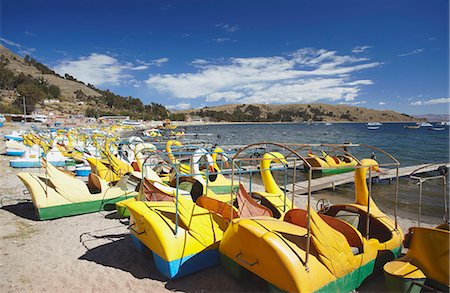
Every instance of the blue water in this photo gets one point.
(408, 146)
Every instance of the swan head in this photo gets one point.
(370, 163)
(198, 154)
(173, 142)
(218, 150)
(275, 157)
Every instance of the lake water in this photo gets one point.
(408, 146)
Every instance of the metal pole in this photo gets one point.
(293, 183)
(232, 187)
(420, 201)
(369, 195)
(24, 109)
(444, 181)
(176, 205)
(285, 185)
(396, 197)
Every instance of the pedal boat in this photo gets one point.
(331, 164)
(338, 257)
(57, 194)
(15, 135)
(184, 235)
(32, 158)
(15, 148)
(426, 264)
(425, 267)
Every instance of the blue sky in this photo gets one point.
(183, 54)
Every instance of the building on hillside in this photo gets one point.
(112, 119)
(196, 119)
(51, 101)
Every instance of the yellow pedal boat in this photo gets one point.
(58, 194)
(338, 257)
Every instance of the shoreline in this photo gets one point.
(183, 124)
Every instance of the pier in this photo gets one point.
(339, 179)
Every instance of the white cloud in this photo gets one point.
(431, 102)
(360, 49)
(26, 51)
(22, 49)
(222, 40)
(30, 34)
(11, 43)
(180, 106)
(413, 52)
(353, 103)
(158, 62)
(382, 103)
(229, 28)
(304, 76)
(98, 69)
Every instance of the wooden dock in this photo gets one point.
(335, 180)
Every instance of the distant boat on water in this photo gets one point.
(131, 123)
(416, 126)
(425, 124)
(437, 127)
(373, 125)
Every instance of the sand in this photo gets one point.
(91, 252)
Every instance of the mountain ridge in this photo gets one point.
(296, 113)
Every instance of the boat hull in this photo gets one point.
(344, 284)
(11, 137)
(54, 212)
(183, 266)
(33, 164)
(192, 249)
(83, 172)
(14, 153)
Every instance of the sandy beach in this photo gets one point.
(93, 252)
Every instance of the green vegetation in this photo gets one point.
(34, 90)
(251, 113)
(127, 106)
(44, 69)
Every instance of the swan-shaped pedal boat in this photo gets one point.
(58, 194)
(184, 236)
(331, 164)
(425, 263)
(340, 255)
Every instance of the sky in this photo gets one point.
(188, 54)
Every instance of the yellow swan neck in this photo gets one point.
(169, 145)
(269, 183)
(361, 190)
(214, 155)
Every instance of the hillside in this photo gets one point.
(435, 117)
(46, 92)
(296, 112)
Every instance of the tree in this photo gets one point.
(32, 93)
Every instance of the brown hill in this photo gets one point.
(45, 91)
(296, 112)
(68, 87)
